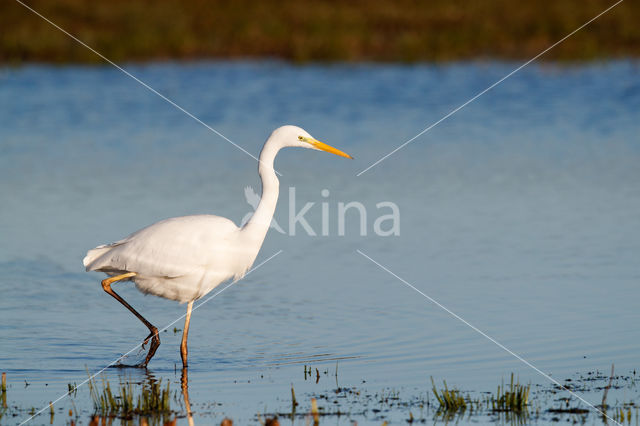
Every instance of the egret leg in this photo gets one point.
(155, 339)
(185, 334)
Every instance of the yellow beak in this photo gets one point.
(327, 148)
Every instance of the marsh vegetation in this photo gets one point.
(318, 30)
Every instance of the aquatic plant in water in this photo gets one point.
(449, 399)
(514, 399)
(153, 399)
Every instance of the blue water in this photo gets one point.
(520, 214)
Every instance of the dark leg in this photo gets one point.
(185, 334)
(155, 339)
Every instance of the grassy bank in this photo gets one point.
(317, 30)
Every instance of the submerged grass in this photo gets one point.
(516, 398)
(149, 403)
(152, 399)
(449, 399)
(513, 398)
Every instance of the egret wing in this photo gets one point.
(170, 248)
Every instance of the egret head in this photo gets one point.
(294, 136)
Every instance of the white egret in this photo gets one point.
(184, 258)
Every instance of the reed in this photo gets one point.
(606, 390)
(152, 399)
(315, 413)
(449, 399)
(294, 402)
(515, 399)
(155, 399)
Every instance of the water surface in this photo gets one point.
(521, 214)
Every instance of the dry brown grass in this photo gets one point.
(317, 30)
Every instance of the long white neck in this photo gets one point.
(255, 230)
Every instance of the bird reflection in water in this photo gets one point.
(184, 381)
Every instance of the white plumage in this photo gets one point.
(253, 200)
(181, 258)
(184, 258)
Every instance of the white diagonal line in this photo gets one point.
(159, 331)
(425, 130)
(500, 345)
(142, 83)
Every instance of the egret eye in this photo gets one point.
(300, 138)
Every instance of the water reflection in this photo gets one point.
(520, 214)
(141, 400)
(511, 418)
(184, 381)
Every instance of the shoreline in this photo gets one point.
(318, 31)
(279, 62)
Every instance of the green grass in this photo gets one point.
(317, 30)
(512, 398)
(515, 399)
(151, 399)
(449, 399)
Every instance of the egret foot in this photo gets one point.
(154, 332)
(155, 343)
